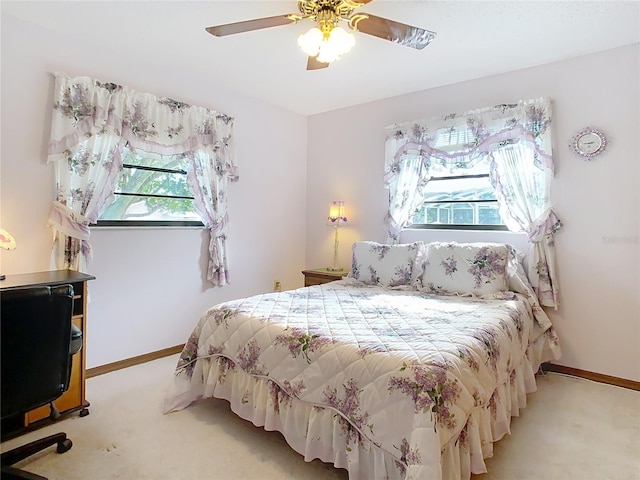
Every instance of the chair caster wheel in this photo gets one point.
(84, 412)
(64, 445)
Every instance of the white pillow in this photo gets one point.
(466, 268)
(385, 265)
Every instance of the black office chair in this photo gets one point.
(38, 342)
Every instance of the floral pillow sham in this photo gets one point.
(465, 268)
(384, 265)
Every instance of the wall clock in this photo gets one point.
(589, 142)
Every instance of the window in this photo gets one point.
(460, 198)
(91, 124)
(151, 190)
(458, 195)
(436, 170)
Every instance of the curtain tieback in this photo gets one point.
(217, 227)
(215, 230)
(68, 222)
(546, 224)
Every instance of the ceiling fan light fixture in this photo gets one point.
(326, 42)
(327, 48)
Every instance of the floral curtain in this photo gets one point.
(405, 181)
(210, 189)
(93, 122)
(517, 140)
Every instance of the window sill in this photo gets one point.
(147, 227)
(464, 228)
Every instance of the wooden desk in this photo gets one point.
(74, 398)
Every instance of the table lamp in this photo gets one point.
(336, 217)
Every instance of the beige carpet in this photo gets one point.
(572, 429)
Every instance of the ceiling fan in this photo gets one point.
(326, 42)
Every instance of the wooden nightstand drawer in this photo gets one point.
(319, 276)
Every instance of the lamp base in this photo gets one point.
(335, 269)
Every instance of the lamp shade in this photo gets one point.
(338, 43)
(7, 242)
(310, 42)
(336, 213)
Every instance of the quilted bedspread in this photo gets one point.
(402, 369)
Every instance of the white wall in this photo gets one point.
(149, 289)
(598, 201)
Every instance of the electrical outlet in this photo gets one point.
(277, 287)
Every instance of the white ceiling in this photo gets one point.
(475, 39)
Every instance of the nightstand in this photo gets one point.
(317, 276)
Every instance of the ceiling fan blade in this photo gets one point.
(314, 64)
(249, 25)
(391, 30)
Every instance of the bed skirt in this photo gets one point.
(316, 432)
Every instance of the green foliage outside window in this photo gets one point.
(156, 191)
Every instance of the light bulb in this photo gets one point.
(342, 40)
(328, 52)
(338, 43)
(310, 42)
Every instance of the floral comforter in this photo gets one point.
(402, 369)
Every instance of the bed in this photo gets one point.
(409, 368)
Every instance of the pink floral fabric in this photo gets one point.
(93, 122)
(385, 265)
(518, 140)
(401, 371)
(465, 268)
